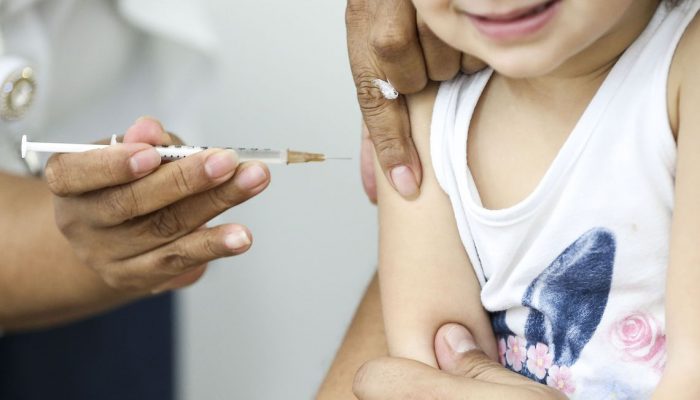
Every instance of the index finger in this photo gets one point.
(70, 174)
(397, 379)
(387, 120)
(394, 42)
(390, 378)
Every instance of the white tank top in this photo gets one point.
(574, 274)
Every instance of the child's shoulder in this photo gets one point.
(420, 108)
(688, 46)
(683, 74)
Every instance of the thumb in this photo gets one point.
(452, 343)
(457, 353)
(149, 130)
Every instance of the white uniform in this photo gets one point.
(575, 273)
(98, 65)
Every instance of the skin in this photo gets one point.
(90, 281)
(387, 40)
(365, 340)
(423, 267)
(362, 366)
(572, 80)
(128, 228)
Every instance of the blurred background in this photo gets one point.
(266, 324)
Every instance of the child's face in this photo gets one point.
(528, 38)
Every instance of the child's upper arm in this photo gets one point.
(425, 276)
(682, 296)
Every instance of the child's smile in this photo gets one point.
(514, 24)
(536, 38)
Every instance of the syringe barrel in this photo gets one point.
(167, 153)
(170, 153)
(267, 156)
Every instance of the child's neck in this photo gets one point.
(583, 74)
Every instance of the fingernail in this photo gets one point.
(221, 163)
(250, 178)
(459, 340)
(237, 240)
(144, 161)
(404, 181)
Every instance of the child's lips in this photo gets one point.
(516, 23)
(513, 14)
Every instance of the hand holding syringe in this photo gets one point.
(140, 224)
(171, 153)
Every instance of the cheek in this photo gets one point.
(447, 24)
(604, 9)
(426, 5)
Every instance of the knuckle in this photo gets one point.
(388, 146)
(65, 222)
(176, 262)
(120, 281)
(439, 72)
(391, 43)
(478, 365)
(470, 65)
(180, 179)
(166, 223)
(119, 204)
(55, 178)
(209, 246)
(221, 198)
(111, 168)
(89, 257)
(111, 280)
(372, 103)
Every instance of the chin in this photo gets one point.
(528, 65)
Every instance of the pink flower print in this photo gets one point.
(639, 338)
(502, 351)
(539, 359)
(515, 354)
(560, 378)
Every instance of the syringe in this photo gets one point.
(170, 153)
